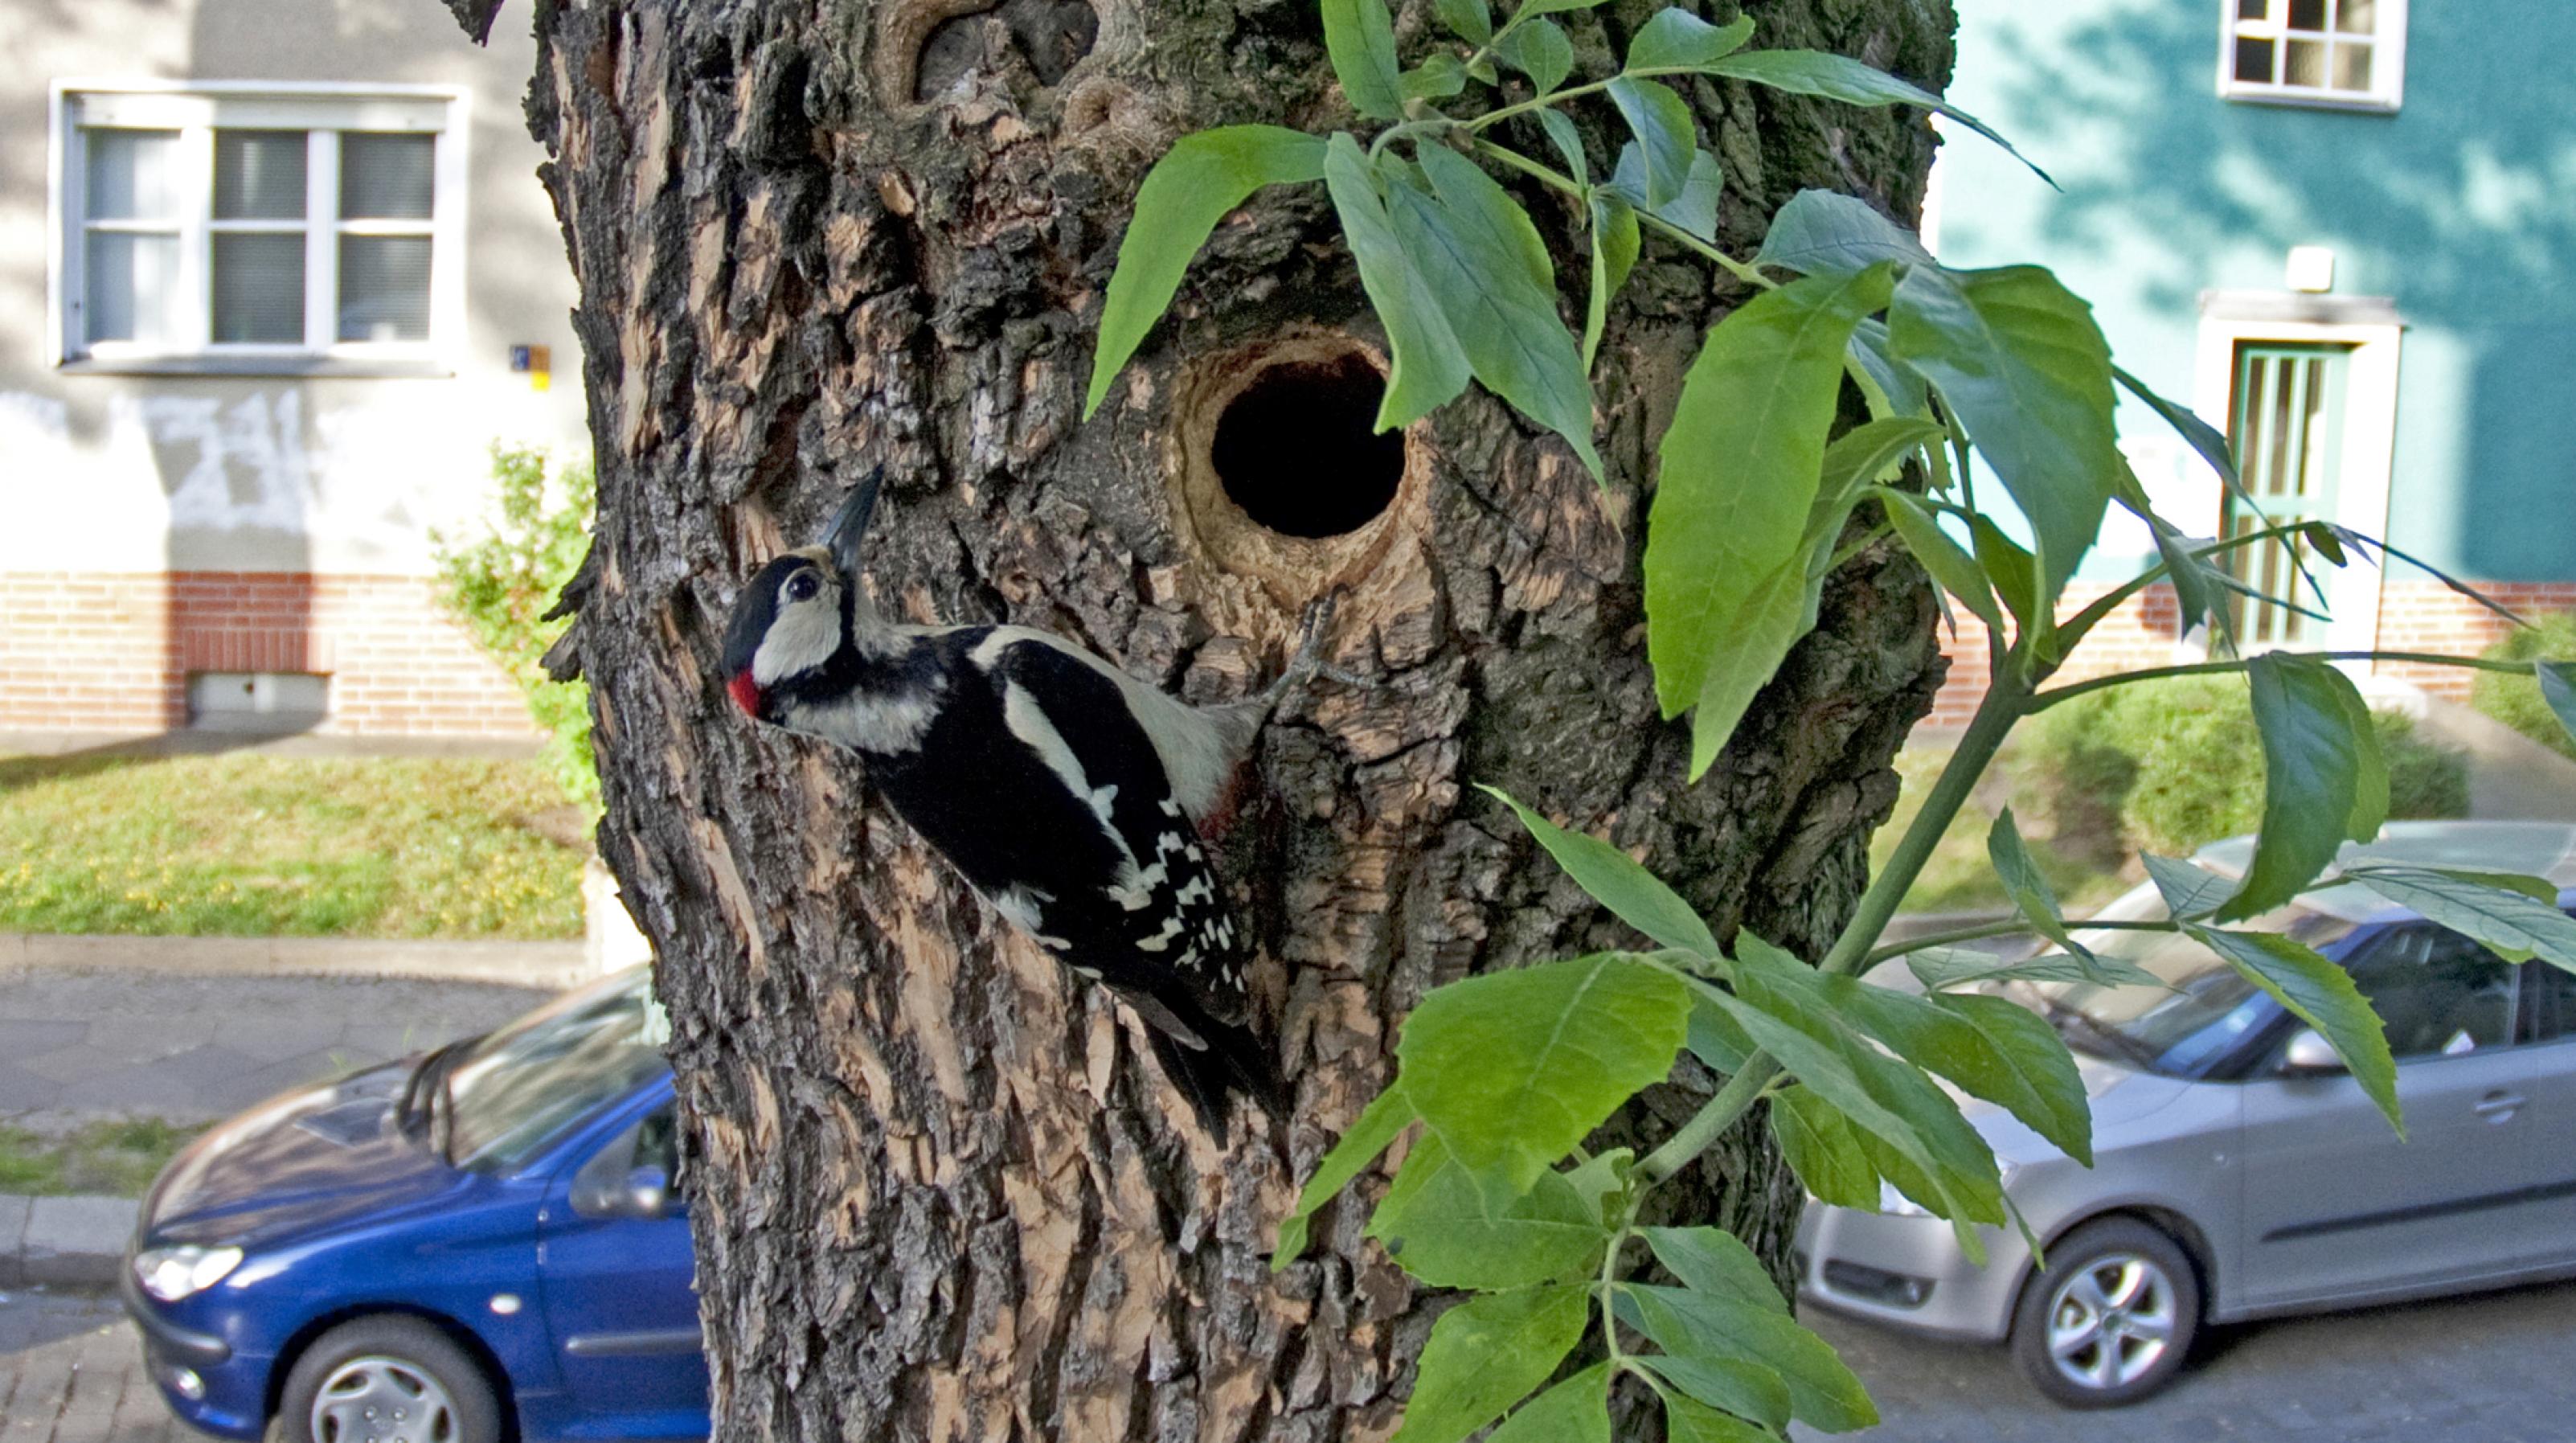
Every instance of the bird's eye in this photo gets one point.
(802, 586)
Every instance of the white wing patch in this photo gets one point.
(1193, 751)
(1022, 908)
(1028, 721)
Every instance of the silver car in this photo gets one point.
(2238, 1172)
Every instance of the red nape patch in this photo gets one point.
(746, 694)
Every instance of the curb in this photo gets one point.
(69, 1242)
(514, 964)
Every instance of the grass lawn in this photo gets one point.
(242, 845)
(1959, 879)
(117, 1159)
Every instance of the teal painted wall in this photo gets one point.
(2461, 208)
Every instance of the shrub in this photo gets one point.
(2515, 700)
(501, 584)
(2179, 764)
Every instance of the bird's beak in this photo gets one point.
(851, 523)
(746, 694)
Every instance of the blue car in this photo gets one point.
(480, 1243)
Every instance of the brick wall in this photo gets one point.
(113, 651)
(2414, 615)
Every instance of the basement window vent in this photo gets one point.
(257, 701)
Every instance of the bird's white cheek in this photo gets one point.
(804, 637)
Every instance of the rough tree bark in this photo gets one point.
(940, 1192)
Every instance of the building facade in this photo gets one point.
(2343, 233)
(274, 277)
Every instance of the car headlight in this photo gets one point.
(170, 1274)
(1897, 1205)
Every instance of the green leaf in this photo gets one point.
(1873, 354)
(1871, 452)
(1837, 77)
(1619, 882)
(1469, 20)
(2324, 781)
(1387, 1114)
(2320, 994)
(1713, 1261)
(1489, 272)
(1204, 175)
(1437, 78)
(1359, 35)
(1939, 968)
(2196, 583)
(1574, 1411)
(2188, 889)
(1539, 50)
(1425, 366)
(2018, 358)
(2558, 688)
(2012, 570)
(1693, 212)
(2517, 917)
(1435, 1223)
(1705, 1327)
(1666, 141)
(1568, 142)
(1530, 8)
(1822, 1149)
(2208, 440)
(2022, 881)
(1614, 254)
(1513, 1069)
(1488, 1353)
(1742, 462)
(1676, 40)
(1950, 566)
(1714, 1038)
(1737, 1385)
(1820, 233)
(1687, 1420)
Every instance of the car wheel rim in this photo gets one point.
(2112, 1321)
(383, 1400)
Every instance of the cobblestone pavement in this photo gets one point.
(71, 1371)
(79, 1043)
(2493, 1368)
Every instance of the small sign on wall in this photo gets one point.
(536, 363)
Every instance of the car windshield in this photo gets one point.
(2205, 1007)
(519, 1088)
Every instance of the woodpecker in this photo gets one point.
(1079, 801)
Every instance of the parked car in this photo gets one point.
(2239, 1172)
(480, 1243)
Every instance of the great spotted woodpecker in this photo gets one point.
(1077, 800)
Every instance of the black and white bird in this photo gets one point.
(1077, 800)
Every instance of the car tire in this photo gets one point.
(388, 1379)
(2111, 1318)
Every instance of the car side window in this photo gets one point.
(2549, 1001)
(602, 1185)
(2439, 993)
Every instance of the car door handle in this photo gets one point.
(2497, 1106)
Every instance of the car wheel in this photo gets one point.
(388, 1379)
(2111, 1318)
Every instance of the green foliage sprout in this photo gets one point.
(502, 583)
(1764, 489)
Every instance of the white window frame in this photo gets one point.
(195, 109)
(2369, 437)
(2387, 91)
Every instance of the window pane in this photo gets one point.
(2352, 67)
(2307, 14)
(131, 174)
(132, 286)
(259, 175)
(2252, 9)
(385, 177)
(2436, 992)
(2357, 17)
(259, 288)
(2307, 63)
(2254, 61)
(384, 288)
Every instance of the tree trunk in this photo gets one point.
(940, 1191)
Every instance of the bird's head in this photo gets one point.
(800, 610)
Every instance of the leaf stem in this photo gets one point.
(1712, 1120)
(2077, 626)
(2044, 700)
(1535, 102)
(1566, 183)
(2005, 928)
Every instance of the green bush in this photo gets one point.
(501, 584)
(2179, 764)
(2515, 700)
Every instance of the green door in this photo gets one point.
(2288, 423)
